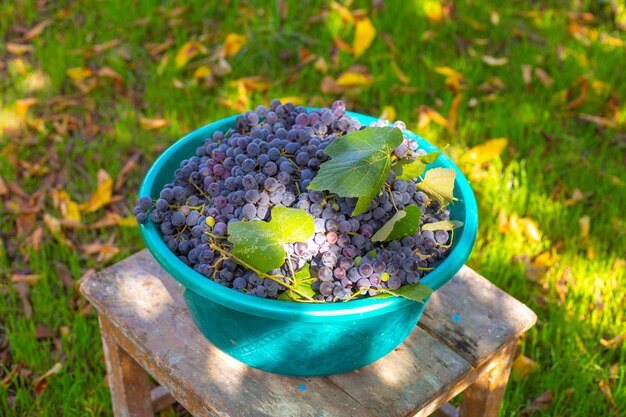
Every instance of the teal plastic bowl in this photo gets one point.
(300, 338)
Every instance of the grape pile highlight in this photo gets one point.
(269, 160)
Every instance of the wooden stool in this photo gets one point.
(464, 343)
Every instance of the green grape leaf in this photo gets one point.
(442, 225)
(261, 244)
(439, 184)
(407, 169)
(303, 286)
(404, 223)
(359, 165)
(417, 292)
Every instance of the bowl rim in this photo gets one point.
(286, 310)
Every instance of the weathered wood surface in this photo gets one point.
(484, 396)
(128, 381)
(437, 362)
(474, 317)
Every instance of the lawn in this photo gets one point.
(91, 92)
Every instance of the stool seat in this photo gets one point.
(465, 340)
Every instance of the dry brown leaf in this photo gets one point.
(105, 251)
(364, 35)
(614, 342)
(108, 72)
(104, 46)
(527, 75)
(109, 220)
(233, 44)
(41, 383)
(18, 49)
(542, 402)
(329, 86)
(29, 279)
(598, 120)
(67, 278)
(129, 165)
(495, 62)
(3, 187)
(54, 225)
(36, 30)
(584, 223)
(485, 152)
(22, 289)
(582, 97)
(152, 124)
(543, 77)
(606, 390)
(523, 365)
(43, 332)
(341, 44)
(576, 197)
(155, 49)
(35, 238)
(614, 372)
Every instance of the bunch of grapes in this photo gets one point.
(269, 160)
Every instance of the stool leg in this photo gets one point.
(484, 396)
(128, 381)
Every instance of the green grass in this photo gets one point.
(551, 152)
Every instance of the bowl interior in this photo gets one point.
(162, 172)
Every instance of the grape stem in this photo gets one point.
(274, 278)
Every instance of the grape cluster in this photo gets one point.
(269, 160)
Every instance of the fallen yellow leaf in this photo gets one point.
(434, 11)
(584, 223)
(187, 52)
(343, 12)
(454, 79)
(151, 124)
(353, 79)
(79, 73)
(530, 229)
(364, 35)
(68, 209)
(485, 152)
(389, 113)
(292, 99)
(233, 44)
(22, 105)
(427, 115)
(399, 73)
(102, 195)
(523, 365)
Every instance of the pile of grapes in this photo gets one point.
(268, 160)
